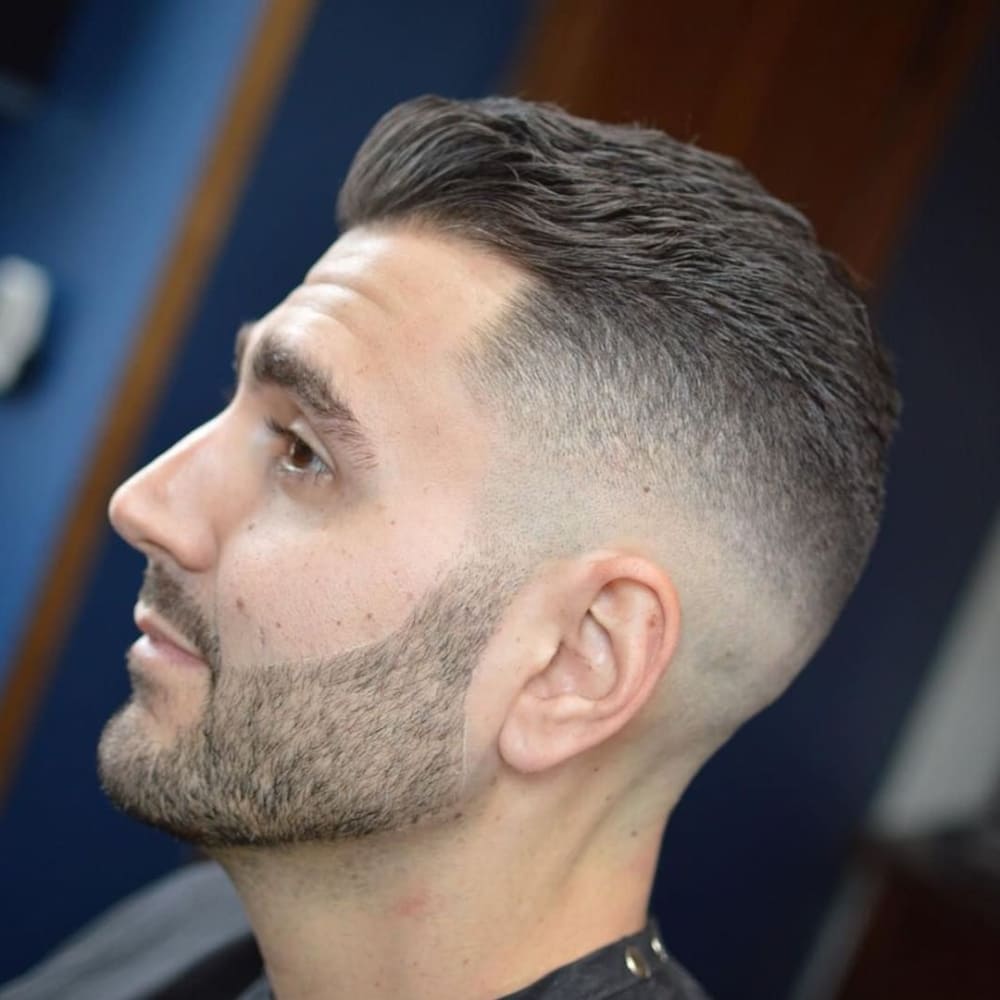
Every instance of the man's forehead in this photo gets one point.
(412, 277)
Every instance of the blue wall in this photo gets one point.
(756, 846)
(92, 188)
(100, 215)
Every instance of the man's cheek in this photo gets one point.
(251, 626)
(278, 619)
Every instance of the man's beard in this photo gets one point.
(368, 741)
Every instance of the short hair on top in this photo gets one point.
(685, 340)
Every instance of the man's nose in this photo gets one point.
(170, 505)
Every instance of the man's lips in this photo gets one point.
(161, 635)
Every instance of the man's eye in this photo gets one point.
(298, 457)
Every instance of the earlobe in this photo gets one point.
(601, 675)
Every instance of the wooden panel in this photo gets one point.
(836, 105)
(199, 236)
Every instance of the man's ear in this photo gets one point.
(620, 629)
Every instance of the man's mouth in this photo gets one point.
(162, 642)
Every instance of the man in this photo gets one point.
(556, 468)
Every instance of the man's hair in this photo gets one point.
(684, 345)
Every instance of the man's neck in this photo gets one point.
(477, 908)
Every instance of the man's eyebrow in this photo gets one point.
(275, 363)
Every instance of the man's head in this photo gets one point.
(573, 442)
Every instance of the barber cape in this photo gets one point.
(186, 937)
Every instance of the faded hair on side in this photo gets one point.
(684, 339)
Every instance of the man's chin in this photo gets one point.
(128, 755)
(124, 753)
(155, 783)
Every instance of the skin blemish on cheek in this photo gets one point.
(251, 526)
(413, 904)
(241, 605)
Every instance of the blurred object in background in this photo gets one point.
(919, 912)
(31, 35)
(25, 294)
(945, 770)
(932, 927)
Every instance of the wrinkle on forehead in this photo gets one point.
(352, 267)
(415, 277)
(351, 308)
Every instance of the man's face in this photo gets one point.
(315, 545)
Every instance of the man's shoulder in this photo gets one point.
(146, 940)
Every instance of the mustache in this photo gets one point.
(164, 595)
